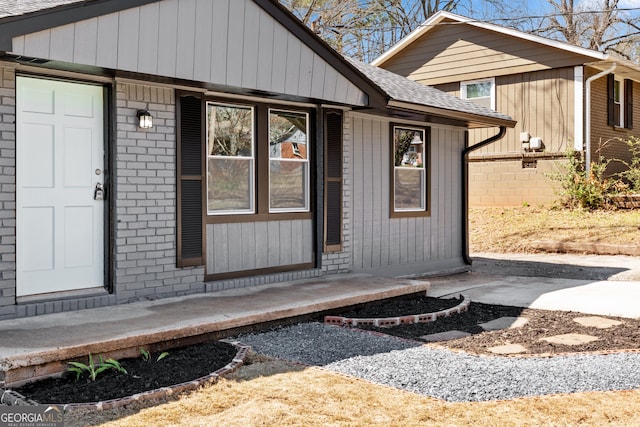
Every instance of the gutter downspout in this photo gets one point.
(465, 189)
(587, 148)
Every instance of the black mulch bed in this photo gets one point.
(195, 361)
(181, 365)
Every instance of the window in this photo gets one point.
(619, 102)
(288, 161)
(258, 162)
(482, 92)
(410, 180)
(230, 159)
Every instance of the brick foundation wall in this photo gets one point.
(507, 183)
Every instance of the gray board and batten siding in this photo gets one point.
(235, 247)
(404, 246)
(230, 43)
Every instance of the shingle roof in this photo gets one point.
(21, 7)
(402, 89)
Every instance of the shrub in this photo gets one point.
(580, 189)
(632, 174)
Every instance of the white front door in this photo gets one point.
(59, 162)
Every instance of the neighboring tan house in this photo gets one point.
(543, 84)
(158, 148)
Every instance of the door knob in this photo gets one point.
(98, 193)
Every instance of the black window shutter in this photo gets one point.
(628, 101)
(610, 100)
(333, 181)
(190, 182)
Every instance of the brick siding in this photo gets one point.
(507, 183)
(7, 193)
(145, 202)
(340, 262)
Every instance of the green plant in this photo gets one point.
(92, 369)
(632, 174)
(146, 356)
(582, 189)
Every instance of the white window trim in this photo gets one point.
(252, 159)
(463, 89)
(307, 207)
(620, 122)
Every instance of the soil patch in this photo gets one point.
(192, 362)
(541, 324)
(181, 365)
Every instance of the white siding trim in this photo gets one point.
(578, 122)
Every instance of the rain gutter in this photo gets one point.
(587, 148)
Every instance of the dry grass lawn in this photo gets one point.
(287, 395)
(275, 393)
(514, 229)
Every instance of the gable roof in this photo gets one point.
(383, 89)
(406, 93)
(441, 16)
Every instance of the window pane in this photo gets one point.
(287, 135)
(409, 176)
(409, 189)
(229, 184)
(616, 91)
(230, 130)
(408, 147)
(289, 161)
(288, 185)
(479, 90)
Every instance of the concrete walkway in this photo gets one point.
(37, 346)
(592, 284)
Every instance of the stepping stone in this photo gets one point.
(597, 322)
(570, 339)
(445, 336)
(504, 323)
(507, 349)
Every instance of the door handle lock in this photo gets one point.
(98, 192)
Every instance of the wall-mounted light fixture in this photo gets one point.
(145, 121)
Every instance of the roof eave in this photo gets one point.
(442, 15)
(473, 121)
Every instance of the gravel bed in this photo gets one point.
(440, 373)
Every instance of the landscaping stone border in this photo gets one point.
(13, 398)
(401, 320)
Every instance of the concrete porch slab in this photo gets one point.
(39, 346)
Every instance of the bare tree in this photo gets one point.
(603, 26)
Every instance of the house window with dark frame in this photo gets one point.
(258, 165)
(410, 155)
(619, 102)
(288, 161)
(230, 159)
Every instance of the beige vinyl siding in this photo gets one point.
(543, 104)
(461, 52)
(403, 245)
(225, 42)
